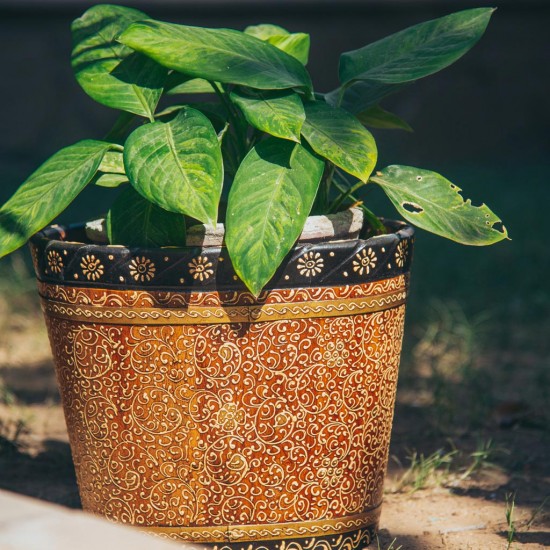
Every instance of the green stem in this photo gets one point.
(372, 219)
(236, 121)
(341, 93)
(343, 196)
(327, 185)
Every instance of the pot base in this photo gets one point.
(347, 533)
(353, 540)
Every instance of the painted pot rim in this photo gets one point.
(64, 255)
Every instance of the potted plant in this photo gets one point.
(224, 380)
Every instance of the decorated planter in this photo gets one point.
(199, 413)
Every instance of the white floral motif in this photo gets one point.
(310, 264)
(330, 473)
(55, 262)
(200, 268)
(401, 253)
(142, 269)
(366, 260)
(336, 354)
(91, 267)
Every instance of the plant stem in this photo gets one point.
(341, 93)
(343, 196)
(327, 185)
(372, 219)
(237, 125)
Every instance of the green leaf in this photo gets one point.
(178, 83)
(135, 221)
(361, 94)
(112, 73)
(295, 44)
(48, 191)
(109, 180)
(433, 203)
(376, 117)
(268, 204)
(215, 112)
(220, 55)
(264, 31)
(112, 162)
(280, 114)
(417, 51)
(177, 164)
(339, 137)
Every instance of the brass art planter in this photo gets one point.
(201, 414)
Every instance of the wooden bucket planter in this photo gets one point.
(201, 414)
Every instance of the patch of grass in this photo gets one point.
(390, 547)
(423, 471)
(481, 458)
(510, 520)
(536, 513)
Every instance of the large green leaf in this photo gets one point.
(220, 55)
(177, 164)
(376, 117)
(361, 95)
(339, 137)
(110, 72)
(48, 191)
(135, 221)
(215, 112)
(433, 203)
(270, 199)
(280, 114)
(294, 44)
(417, 51)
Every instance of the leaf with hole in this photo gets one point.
(280, 114)
(177, 164)
(270, 199)
(220, 55)
(109, 72)
(339, 137)
(376, 117)
(295, 44)
(48, 191)
(433, 203)
(135, 221)
(418, 51)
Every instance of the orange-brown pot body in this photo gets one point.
(210, 416)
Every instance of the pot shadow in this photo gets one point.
(48, 475)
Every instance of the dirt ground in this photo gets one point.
(470, 457)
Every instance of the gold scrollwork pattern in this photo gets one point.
(265, 532)
(241, 423)
(355, 540)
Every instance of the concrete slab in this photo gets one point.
(29, 524)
